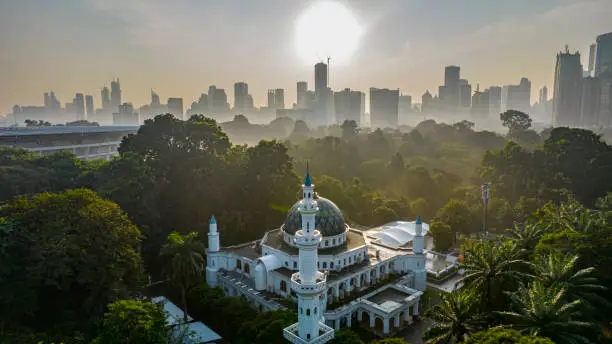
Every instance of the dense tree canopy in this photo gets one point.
(64, 257)
(133, 322)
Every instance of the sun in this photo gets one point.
(327, 29)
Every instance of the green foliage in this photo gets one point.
(500, 335)
(458, 215)
(266, 327)
(184, 259)
(346, 336)
(442, 235)
(517, 122)
(133, 322)
(457, 316)
(64, 257)
(25, 173)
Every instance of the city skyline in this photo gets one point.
(109, 39)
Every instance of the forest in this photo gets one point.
(80, 240)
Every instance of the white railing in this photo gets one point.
(326, 334)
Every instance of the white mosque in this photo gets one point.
(337, 274)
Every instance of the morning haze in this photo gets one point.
(179, 48)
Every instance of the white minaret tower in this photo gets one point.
(418, 245)
(212, 261)
(309, 284)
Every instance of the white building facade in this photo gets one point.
(336, 274)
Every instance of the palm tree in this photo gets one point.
(185, 264)
(526, 237)
(455, 318)
(491, 268)
(560, 270)
(543, 311)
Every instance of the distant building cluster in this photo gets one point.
(580, 98)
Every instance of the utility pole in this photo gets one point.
(485, 191)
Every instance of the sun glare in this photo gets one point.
(327, 29)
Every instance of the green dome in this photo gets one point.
(329, 219)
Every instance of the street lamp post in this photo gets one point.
(485, 191)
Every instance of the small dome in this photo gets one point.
(329, 219)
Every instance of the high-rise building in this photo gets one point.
(79, 106)
(426, 102)
(465, 94)
(603, 60)
(480, 104)
(494, 95)
(105, 98)
(450, 93)
(125, 115)
(589, 108)
(567, 89)
(302, 89)
(271, 100)
(241, 95)
(543, 95)
(404, 104)
(90, 107)
(154, 99)
(115, 94)
(320, 77)
(349, 106)
(175, 107)
(592, 49)
(517, 97)
(279, 98)
(384, 105)
(52, 105)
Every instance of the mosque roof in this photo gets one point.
(329, 220)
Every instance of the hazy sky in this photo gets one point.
(179, 48)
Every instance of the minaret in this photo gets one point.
(309, 284)
(212, 264)
(419, 240)
(418, 245)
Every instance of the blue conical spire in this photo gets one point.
(212, 220)
(307, 181)
(418, 220)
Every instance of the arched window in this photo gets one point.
(307, 312)
(309, 195)
(315, 310)
(213, 263)
(308, 336)
(295, 265)
(331, 265)
(283, 285)
(326, 243)
(307, 225)
(333, 241)
(324, 265)
(238, 264)
(301, 310)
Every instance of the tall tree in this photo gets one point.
(133, 322)
(185, 262)
(456, 317)
(517, 122)
(64, 258)
(544, 311)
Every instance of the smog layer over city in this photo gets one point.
(297, 171)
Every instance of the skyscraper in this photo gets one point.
(517, 97)
(592, 58)
(105, 98)
(52, 105)
(79, 106)
(302, 89)
(465, 93)
(349, 105)
(603, 61)
(271, 100)
(589, 107)
(154, 99)
(279, 98)
(567, 89)
(494, 94)
(384, 108)
(115, 94)
(320, 77)
(241, 95)
(543, 95)
(175, 107)
(90, 107)
(450, 94)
